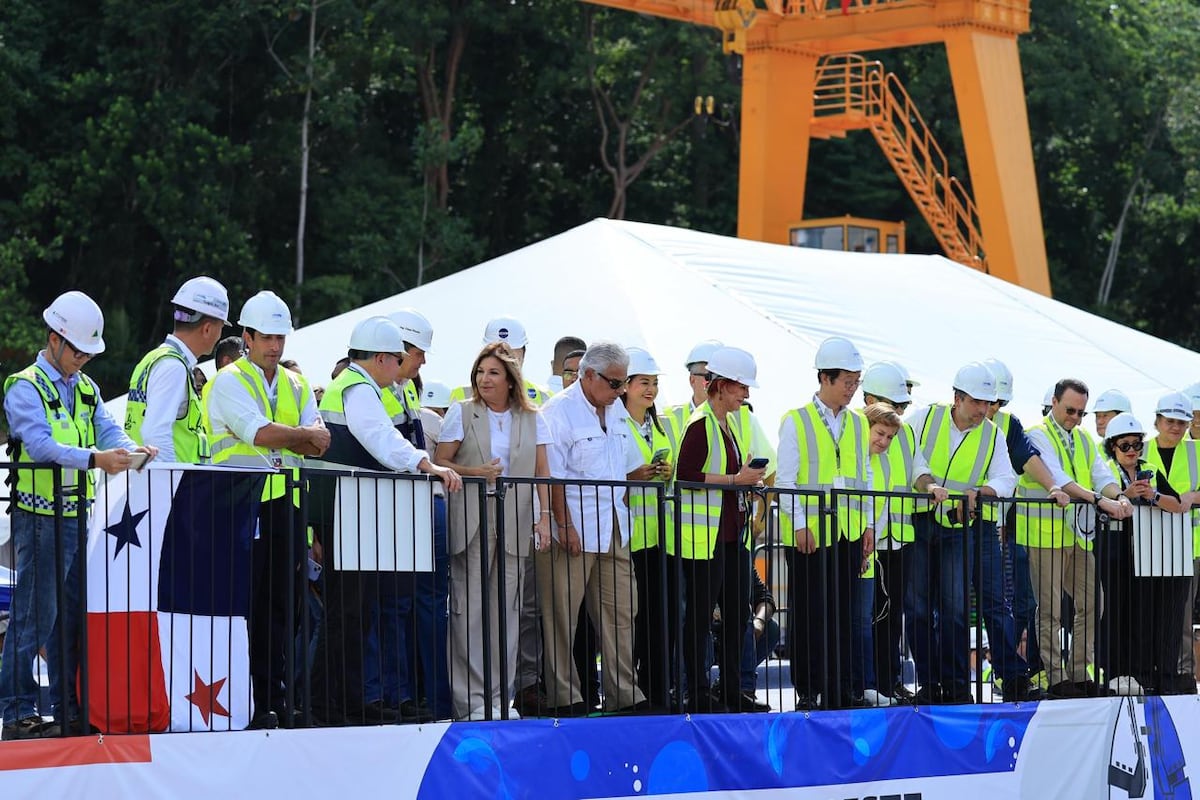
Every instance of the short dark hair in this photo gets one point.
(290, 363)
(573, 354)
(1074, 384)
(831, 374)
(228, 349)
(567, 345)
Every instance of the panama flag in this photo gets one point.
(168, 576)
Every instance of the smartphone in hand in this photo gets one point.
(1145, 474)
(660, 456)
(759, 463)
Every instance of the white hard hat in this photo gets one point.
(414, 327)
(838, 353)
(1048, 399)
(703, 351)
(266, 313)
(435, 394)
(377, 335)
(1004, 378)
(204, 295)
(1193, 392)
(1123, 424)
(641, 362)
(976, 381)
(734, 364)
(1174, 405)
(904, 371)
(884, 379)
(506, 329)
(75, 317)
(1112, 400)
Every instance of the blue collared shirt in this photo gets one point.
(27, 421)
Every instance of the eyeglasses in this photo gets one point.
(567, 372)
(76, 351)
(1131, 447)
(613, 383)
(999, 403)
(701, 374)
(850, 383)
(1075, 412)
(901, 407)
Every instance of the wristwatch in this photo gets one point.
(1098, 497)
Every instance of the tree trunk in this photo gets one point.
(304, 159)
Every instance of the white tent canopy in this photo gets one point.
(665, 288)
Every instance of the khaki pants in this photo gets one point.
(606, 583)
(1187, 655)
(1071, 570)
(468, 602)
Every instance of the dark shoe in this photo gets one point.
(1020, 690)
(373, 713)
(1090, 688)
(852, 700)
(266, 721)
(902, 694)
(579, 709)
(638, 709)
(930, 695)
(531, 702)
(414, 711)
(1065, 690)
(1185, 684)
(806, 702)
(76, 727)
(748, 702)
(957, 694)
(30, 727)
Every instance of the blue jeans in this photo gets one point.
(935, 603)
(755, 651)
(36, 618)
(988, 578)
(862, 639)
(413, 614)
(1024, 605)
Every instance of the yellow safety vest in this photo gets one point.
(1046, 526)
(1183, 477)
(189, 434)
(35, 487)
(824, 463)
(965, 468)
(643, 503)
(700, 509)
(891, 471)
(291, 394)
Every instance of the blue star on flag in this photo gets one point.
(125, 529)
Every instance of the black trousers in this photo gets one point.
(337, 679)
(654, 630)
(890, 578)
(275, 599)
(819, 596)
(723, 579)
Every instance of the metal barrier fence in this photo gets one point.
(356, 597)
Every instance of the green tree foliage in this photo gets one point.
(147, 141)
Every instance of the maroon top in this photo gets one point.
(693, 455)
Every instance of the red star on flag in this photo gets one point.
(204, 697)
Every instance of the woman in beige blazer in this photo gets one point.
(496, 433)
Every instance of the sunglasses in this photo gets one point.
(901, 407)
(1131, 447)
(613, 383)
(1075, 412)
(75, 350)
(701, 374)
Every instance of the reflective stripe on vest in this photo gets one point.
(1183, 477)
(965, 468)
(1045, 525)
(34, 491)
(188, 434)
(643, 503)
(700, 510)
(892, 472)
(822, 462)
(291, 392)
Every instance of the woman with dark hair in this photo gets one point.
(1138, 640)
(649, 547)
(496, 433)
(713, 528)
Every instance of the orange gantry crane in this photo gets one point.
(801, 78)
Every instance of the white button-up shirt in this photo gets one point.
(370, 424)
(584, 451)
(232, 408)
(167, 398)
(1101, 476)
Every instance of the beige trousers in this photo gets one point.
(1071, 570)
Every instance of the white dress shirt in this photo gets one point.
(1060, 473)
(1000, 477)
(167, 399)
(232, 408)
(370, 424)
(499, 429)
(583, 451)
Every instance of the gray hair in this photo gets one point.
(602, 355)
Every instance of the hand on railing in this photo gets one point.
(938, 493)
(1059, 496)
(805, 541)
(1120, 508)
(451, 479)
(117, 460)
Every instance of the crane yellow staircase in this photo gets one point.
(853, 93)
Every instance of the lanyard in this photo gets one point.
(837, 445)
(1070, 465)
